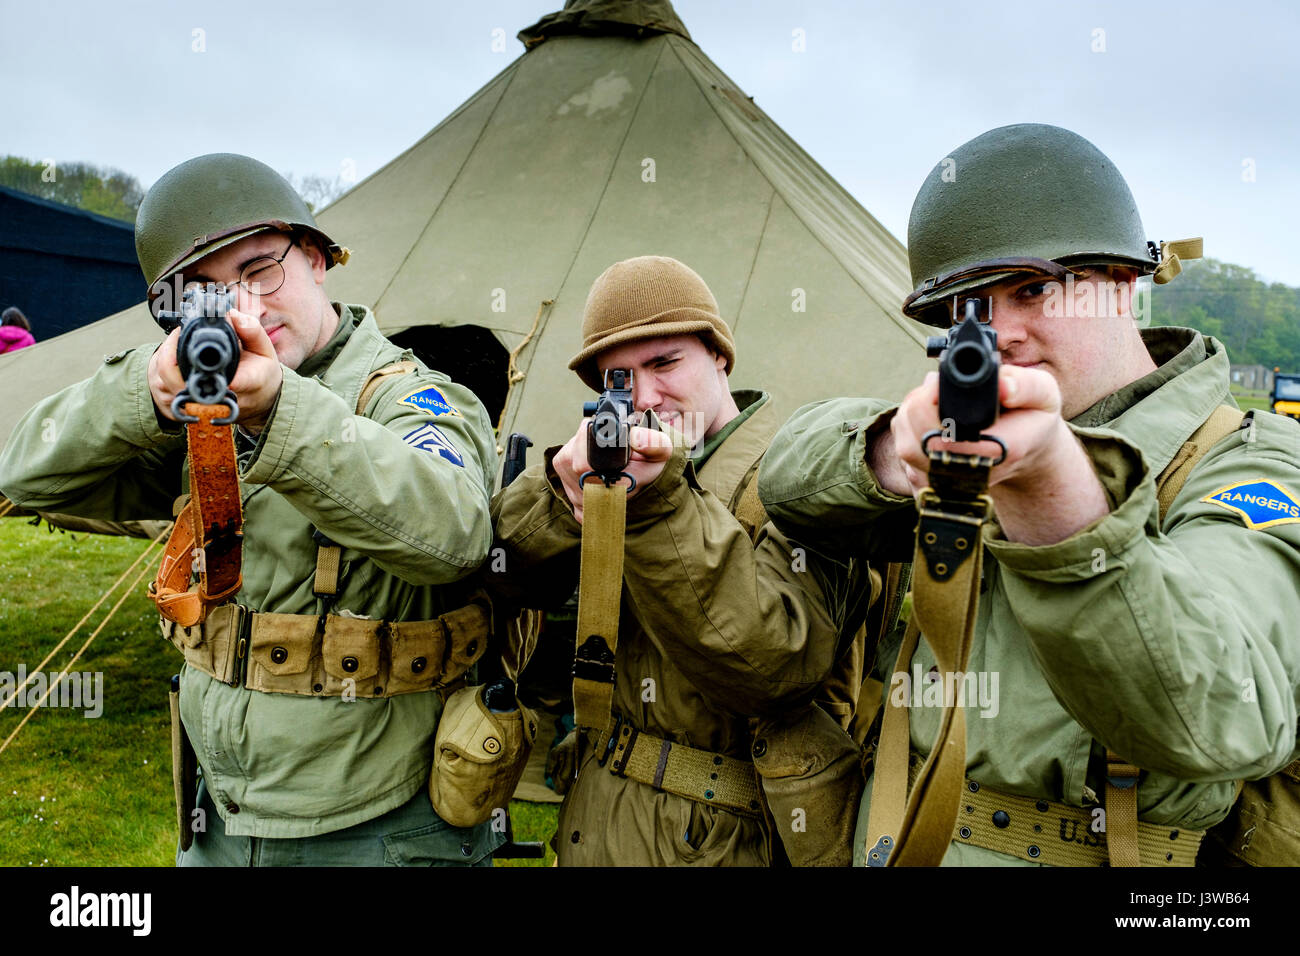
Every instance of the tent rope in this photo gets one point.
(63, 673)
(67, 637)
(514, 374)
(7, 507)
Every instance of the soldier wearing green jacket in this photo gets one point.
(1114, 614)
(315, 742)
(675, 777)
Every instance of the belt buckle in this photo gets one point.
(243, 639)
(608, 749)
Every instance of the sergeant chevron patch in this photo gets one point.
(431, 439)
(429, 400)
(1261, 504)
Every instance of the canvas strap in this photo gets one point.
(207, 538)
(1121, 811)
(915, 829)
(328, 554)
(700, 775)
(1171, 256)
(1122, 826)
(600, 590)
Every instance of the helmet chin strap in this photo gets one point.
(1171, 254)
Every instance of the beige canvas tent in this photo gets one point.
(612, 135)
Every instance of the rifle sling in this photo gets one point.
(208, 536)
(600, 590)
(946, 577)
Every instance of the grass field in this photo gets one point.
(1247, 400)
(78, 791)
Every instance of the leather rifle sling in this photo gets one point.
(947, 568)
(600, 591)
(208, 536)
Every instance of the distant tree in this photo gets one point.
(318, 191)
(99, 189)
(1259, 322)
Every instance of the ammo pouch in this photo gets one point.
(1263, 828)
(478, 757)
(811, 774)
(301, 654)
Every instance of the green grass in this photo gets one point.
(106, 782)
(1246, 399)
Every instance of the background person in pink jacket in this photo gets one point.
(15, 330)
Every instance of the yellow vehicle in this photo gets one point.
(1286, 394)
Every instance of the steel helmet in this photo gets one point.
(209, 202)
(1027, 198)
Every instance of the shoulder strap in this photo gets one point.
(377, 378)
(1122, 776)
(328, 554)
(1223, 421)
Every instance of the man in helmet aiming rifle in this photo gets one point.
(311, 694)
(1142, 575)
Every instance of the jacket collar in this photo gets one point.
(733, 460)
(365, 349)
(1160, 411)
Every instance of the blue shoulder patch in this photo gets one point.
(1261, 504)
(431, 439)
(429, 400)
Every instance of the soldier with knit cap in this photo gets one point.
(693, 674)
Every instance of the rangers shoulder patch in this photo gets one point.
(430, 400)
(431, 439)
(1261, 504)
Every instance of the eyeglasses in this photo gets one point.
(263, 276)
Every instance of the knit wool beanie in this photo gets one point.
(646, 298)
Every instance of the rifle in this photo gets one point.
(968, 378)
(608, 448)
(911, 828)
(517, 446)
(208, 350)
(207, 537)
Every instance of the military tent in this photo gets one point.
(612, 135)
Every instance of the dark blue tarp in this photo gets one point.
(64, 267)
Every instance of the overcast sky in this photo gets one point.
(1197, 103)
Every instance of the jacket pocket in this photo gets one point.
(417, 652)
(350, 651)
(280, 653)
(439, 844)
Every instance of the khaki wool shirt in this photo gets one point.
(691, 665)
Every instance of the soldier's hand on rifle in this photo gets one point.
(650, 452)
(1046, 488)
(256, 384)
(260, 375)
(165, 379)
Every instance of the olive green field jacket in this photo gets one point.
(1174, 643)
(403, 489)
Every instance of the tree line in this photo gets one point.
(1258, 321)
(116, 194)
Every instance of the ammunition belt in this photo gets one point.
(700, 775)
(1056, 834)
(332, 656)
